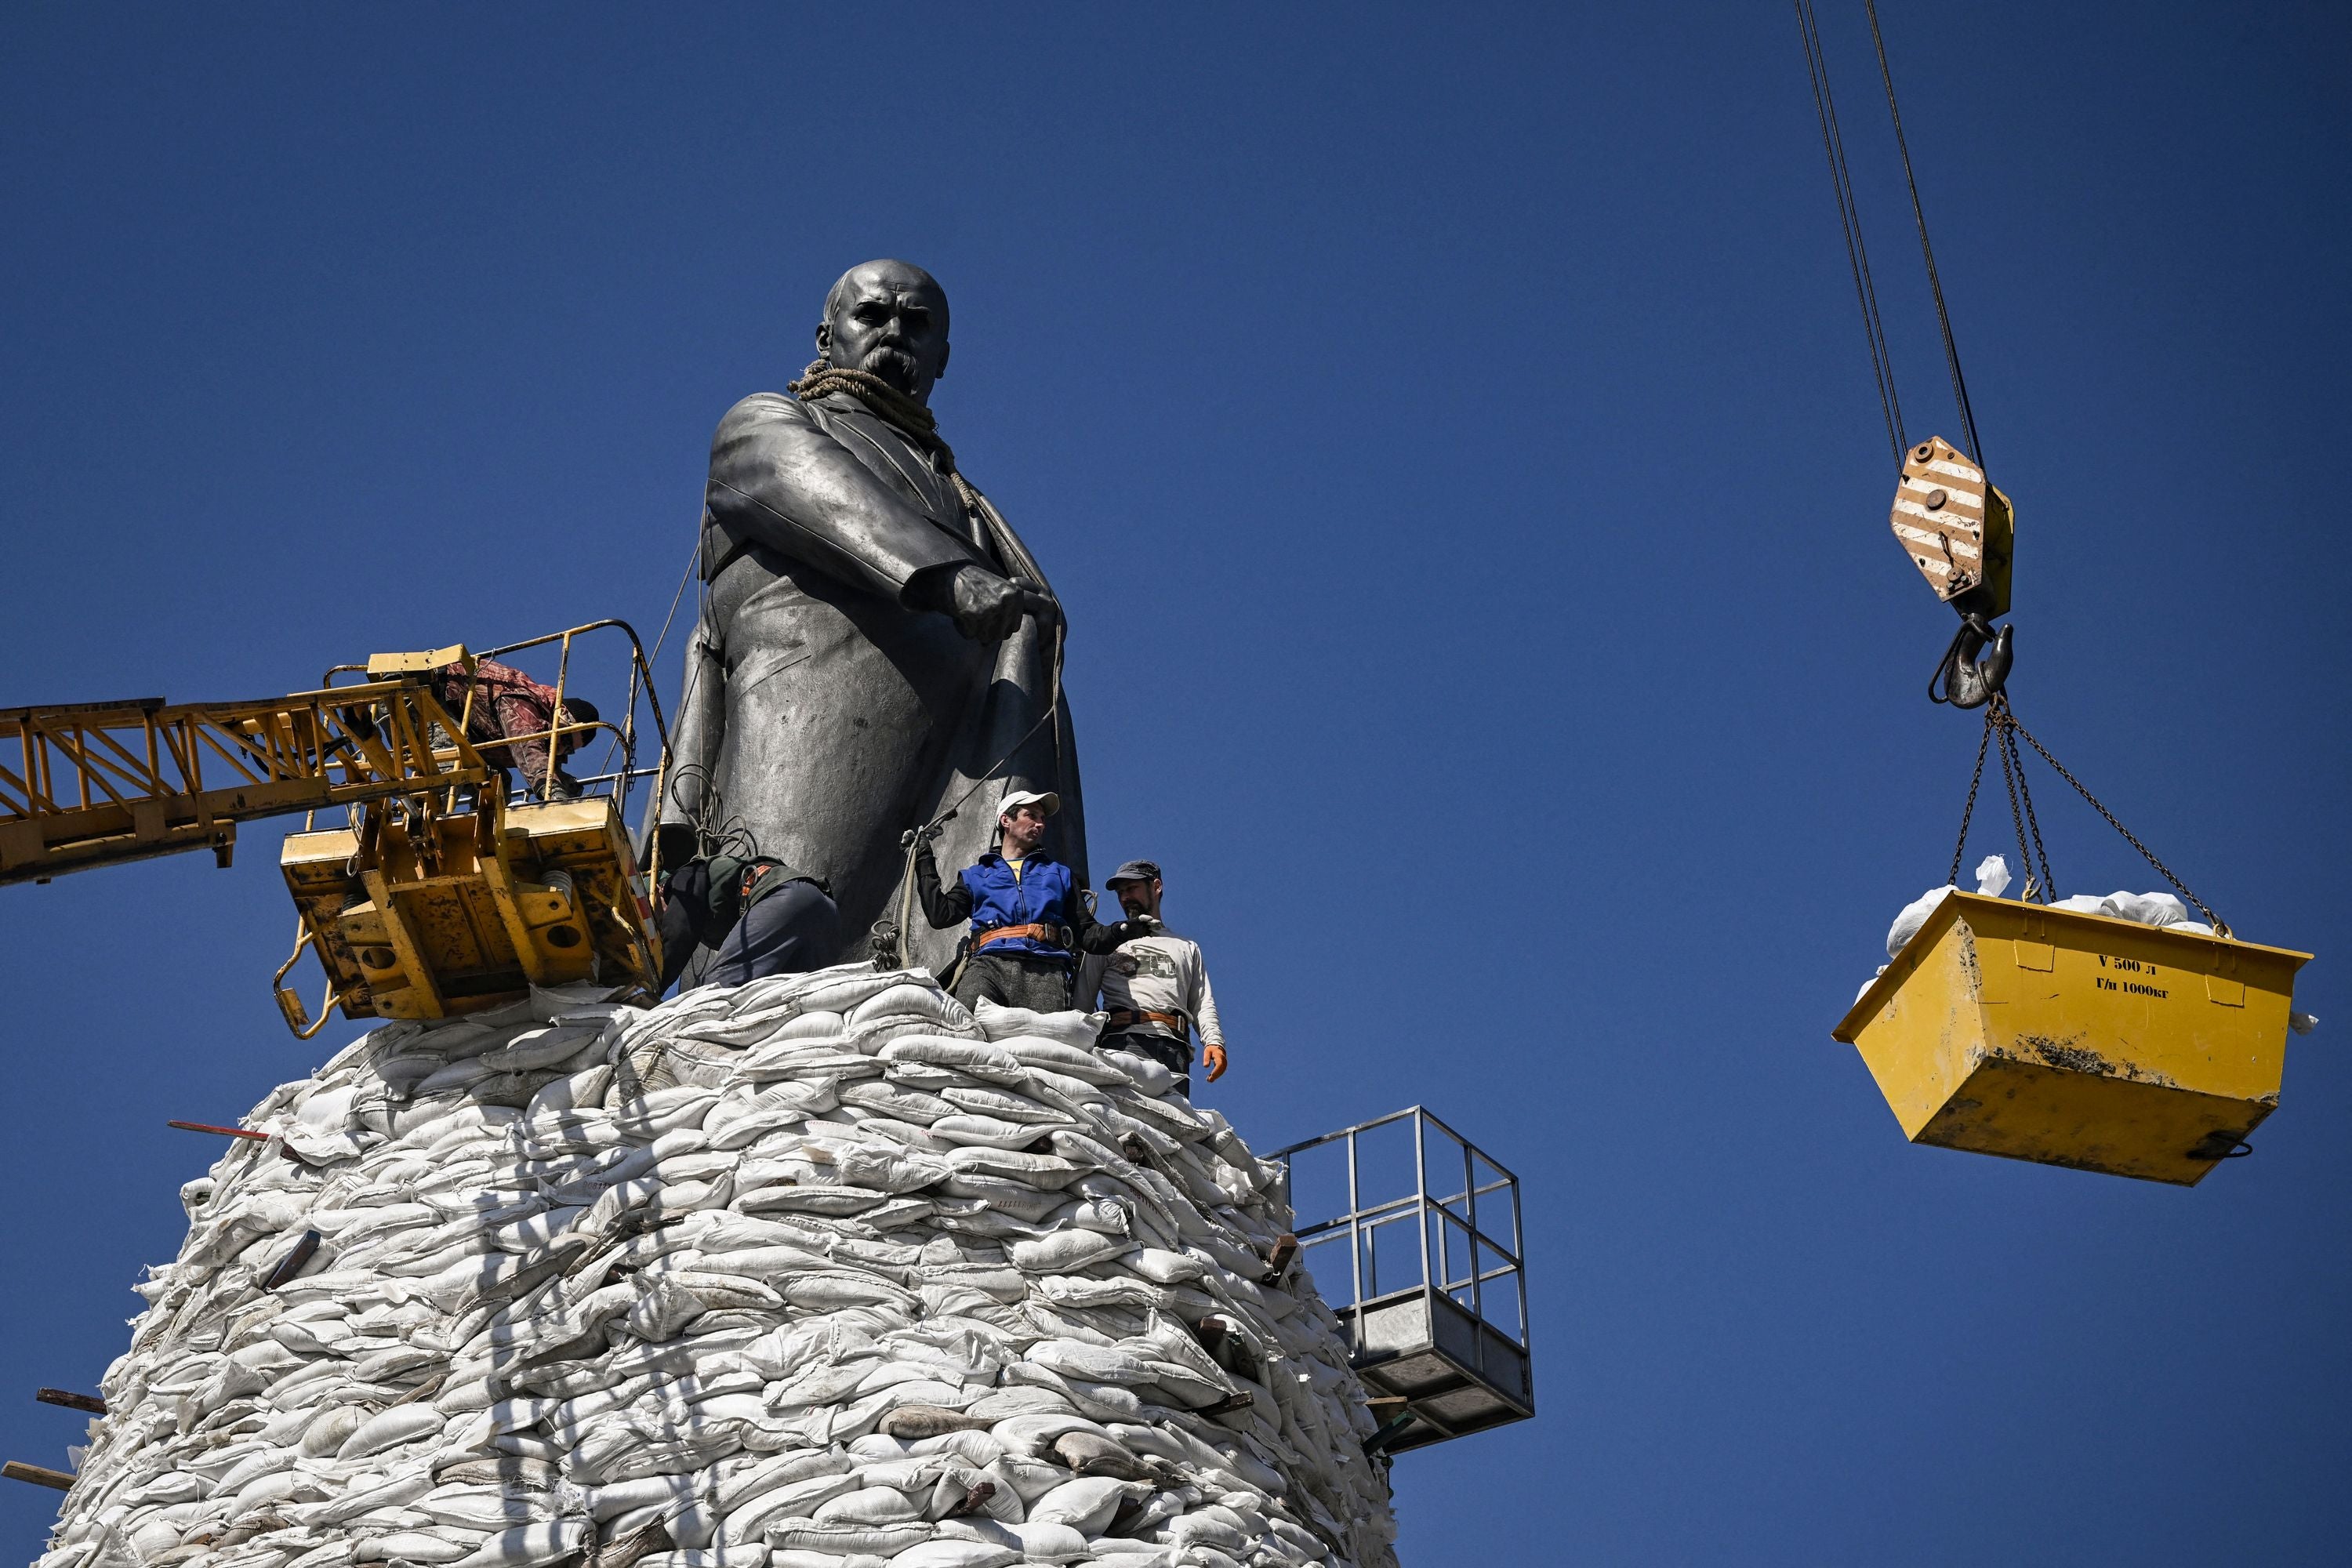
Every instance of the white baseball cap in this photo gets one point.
(1045, 800)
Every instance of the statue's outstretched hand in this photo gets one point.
(986, 608)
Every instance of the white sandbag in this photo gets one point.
(747, 1556)
(403, 1424)
(426, 1546)
(909, 1000)
(1057, 1055)
(1161, 1267)
(1915, 915)
(1152, 1078)
(2161, 910)
(1042, 1170)
(1043, 1541)
(1097, 1363)
(988, 1132)
(957, 1555)
(529, 1545)
(868, 1505)
(884, 1540)
(2147, 908)
(1065, 1251)
(1073, 1029)
(1085, 1505)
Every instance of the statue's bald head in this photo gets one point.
(888, 318)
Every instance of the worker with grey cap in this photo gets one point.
(1154, 986)
(1028, 921)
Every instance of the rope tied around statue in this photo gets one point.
(914, 419)
(921, 426)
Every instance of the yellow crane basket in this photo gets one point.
(443, 901)
(2010, 1028)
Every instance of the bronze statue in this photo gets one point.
(876, 647)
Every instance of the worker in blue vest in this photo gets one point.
(1028, 921)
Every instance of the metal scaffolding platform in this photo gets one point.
(1398, 1220)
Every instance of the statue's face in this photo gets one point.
(891, 320)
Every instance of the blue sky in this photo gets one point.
(1450, 431)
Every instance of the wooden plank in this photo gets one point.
(70, 1400)
(38, 1475)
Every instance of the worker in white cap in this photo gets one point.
(1028, 921)
(1155, 986)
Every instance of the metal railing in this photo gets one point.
(1423, 1215)
(563, 736)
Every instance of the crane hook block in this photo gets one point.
(1955, 528)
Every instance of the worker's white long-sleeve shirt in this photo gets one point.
(1157, 973)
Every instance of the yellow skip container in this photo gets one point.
(2075, 1039)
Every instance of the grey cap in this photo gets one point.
(1134, 871)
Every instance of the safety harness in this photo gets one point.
(1060, 936)
(1123, 1018)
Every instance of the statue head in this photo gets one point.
(890, 319)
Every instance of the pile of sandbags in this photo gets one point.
(816, 1272)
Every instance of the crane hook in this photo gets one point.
(1964, 680)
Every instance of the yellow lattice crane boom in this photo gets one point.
(438, 895)
(98, 783)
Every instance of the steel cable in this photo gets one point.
(1927, 250)
(1882, 364)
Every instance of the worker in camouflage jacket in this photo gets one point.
(1028, 919)
(508, 716)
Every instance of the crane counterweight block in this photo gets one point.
(1958, 530)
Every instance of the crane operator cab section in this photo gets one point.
(472, 884)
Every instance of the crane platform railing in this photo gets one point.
(1402, 1221)
(563, 735)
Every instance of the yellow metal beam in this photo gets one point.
(95, 783)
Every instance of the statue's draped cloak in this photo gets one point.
(829, 717)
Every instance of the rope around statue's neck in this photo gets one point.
(919, 423)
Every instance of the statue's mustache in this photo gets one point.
(891, 362)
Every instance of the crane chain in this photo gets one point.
(1967, 812)
(2008, 737)
(2219, 926)
(2011, 772)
